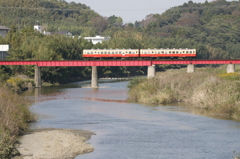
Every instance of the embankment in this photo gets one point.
(209, 89)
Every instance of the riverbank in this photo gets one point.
(14, 116)
(207, 88)
(54, 144)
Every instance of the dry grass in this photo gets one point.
(204, 89)
(14, 117)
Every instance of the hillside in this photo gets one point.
(213, 25)
(53, 14)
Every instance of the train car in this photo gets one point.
(168, 53)
(110, 53)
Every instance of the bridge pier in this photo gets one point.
(151, 71)
(230, 68)
(94, 83)
(37, 77)
(190, 68)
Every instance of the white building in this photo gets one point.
(96, 39)
(3, 51)
(38, 27)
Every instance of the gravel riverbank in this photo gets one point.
(54, 144)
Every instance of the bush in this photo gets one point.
(19, 84)
(14, 117)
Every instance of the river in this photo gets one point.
(133, 131)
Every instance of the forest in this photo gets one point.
(211, 27)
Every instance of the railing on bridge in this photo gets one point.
(118, 63)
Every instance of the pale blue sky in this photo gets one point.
(132, 10)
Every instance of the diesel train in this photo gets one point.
(139, 53)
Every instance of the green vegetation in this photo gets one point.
(203, 89)
(53, 14)
(14, 117)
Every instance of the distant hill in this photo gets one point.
(54, 15)
(214, 25)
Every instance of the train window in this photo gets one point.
(162, 52)
(120, 52)
(101, 52)
(170, 52)
(173, 52)
(183, 52)
(190, 52)
(176, 52)
(186, 51)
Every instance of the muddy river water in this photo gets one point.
(134, 131)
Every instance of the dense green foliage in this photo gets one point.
(53, 14)
(212, 28)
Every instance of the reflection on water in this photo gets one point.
(130, 130)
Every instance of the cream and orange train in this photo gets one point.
(136, 53)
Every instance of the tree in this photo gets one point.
(118, 22)
(100, 23)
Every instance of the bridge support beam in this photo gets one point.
(37, 76)
(151, 71)
(94, 83)
(230, 68)
(190, 68)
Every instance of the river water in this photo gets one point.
(133, 131)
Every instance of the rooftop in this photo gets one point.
(4, 28)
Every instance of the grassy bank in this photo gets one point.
(207, 88)
(14, 117)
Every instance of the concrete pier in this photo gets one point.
(190, 68)
(37, 77)
(230, 68)
(151, 71)
(94, 83)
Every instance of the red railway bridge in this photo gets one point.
(150, 63)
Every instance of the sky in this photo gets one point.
(132, 10)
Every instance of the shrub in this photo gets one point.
(14, 117)
(19, 84)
